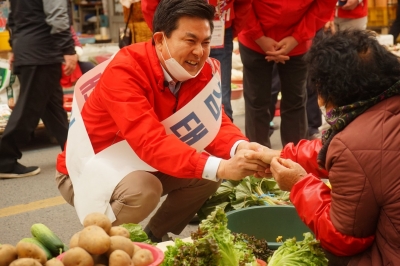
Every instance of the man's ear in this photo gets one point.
(158, 39)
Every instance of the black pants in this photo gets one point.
(41, 96)
(257, 79)
(395, 28)
(313, 112)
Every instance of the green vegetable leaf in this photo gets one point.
(306, 252)
(136, 232)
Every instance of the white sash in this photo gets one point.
(94, 176)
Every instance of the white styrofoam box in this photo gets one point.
(385, 39)
(238, 106)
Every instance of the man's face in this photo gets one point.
(189, 44)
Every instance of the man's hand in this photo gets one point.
(269, 45)
(265, 155)
(266, 43)
(286, 173)
(70, 63)
(238, 167)
(350, 5)
(282, 48)
(254, 146)
(330, 26)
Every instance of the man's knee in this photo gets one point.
(65, 187)
(135, 197)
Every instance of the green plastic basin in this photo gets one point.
(268, 222)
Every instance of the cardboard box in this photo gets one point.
(4, 45)
(381, 3)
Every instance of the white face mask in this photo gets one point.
(175, 69)
(323, 110)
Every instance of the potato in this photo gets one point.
(119, 258)
(77, 257)
(73, 242)
(142, 257)
(135, 248)
(54, 262)
(94, 240)
(8, 253)
(119, 231)
(25, 262)
(29, 250)
(122, 243)
(99, 219)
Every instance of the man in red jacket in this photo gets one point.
(230, 18)
(154, 126)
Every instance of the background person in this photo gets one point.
(279, 32)
(351, 14)
(143, 85)
(356, 222)
(232, 14)
(41, 41)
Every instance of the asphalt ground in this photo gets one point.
(36, 199)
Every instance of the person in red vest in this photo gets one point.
(351, 14)
(279, 32)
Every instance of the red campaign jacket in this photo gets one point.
(129, 102)
(235, 11)
(312, 199)
(278, 19)
(359, 12)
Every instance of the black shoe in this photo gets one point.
(21, 171)
(195, 220)
(155, 239)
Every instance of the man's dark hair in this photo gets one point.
(350, 66)
(168, 13)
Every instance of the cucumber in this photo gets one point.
(39, 244)
(48, 238)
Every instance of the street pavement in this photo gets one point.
(36, 199)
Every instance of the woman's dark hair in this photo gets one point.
(168, 13)
(350, 66)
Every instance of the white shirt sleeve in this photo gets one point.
(232, 153)
(212, 164)
(210, 169)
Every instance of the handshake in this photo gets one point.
(254, 159)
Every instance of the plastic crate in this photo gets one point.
(381, 16)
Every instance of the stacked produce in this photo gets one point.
(98, 243)
(213, 244)
(250, 191)
(42, 246)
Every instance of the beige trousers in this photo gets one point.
(138, 194)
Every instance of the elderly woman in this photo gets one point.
(358, 84)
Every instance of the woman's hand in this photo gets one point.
(286, 173)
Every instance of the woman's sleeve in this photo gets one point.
(313, 202)
(305, 153)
